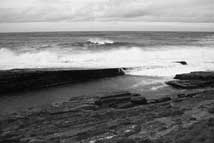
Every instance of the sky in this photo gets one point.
(106, 15)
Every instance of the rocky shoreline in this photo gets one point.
(193, 80)
(124, 117)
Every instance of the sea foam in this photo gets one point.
(100, 41)
(150, 62)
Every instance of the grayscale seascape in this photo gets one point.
(90, 72)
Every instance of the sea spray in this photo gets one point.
(154, 62)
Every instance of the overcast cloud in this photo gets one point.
(107, 10)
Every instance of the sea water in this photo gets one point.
(154, 53)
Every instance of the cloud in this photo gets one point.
(107, 10)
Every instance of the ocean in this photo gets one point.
(151, 58)
(153, 53)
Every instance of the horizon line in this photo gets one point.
(107, 31)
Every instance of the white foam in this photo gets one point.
(153, 62)
(100, 41)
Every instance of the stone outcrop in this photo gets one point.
(126, 100)
(196, 76)
(190, 84)
(121, 100)
(28, 79)
(193, 80)
(181, 62)
(138, 100)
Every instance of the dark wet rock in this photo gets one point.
(211, 110)
(158, 100)
(181, 62)
(116, 99)
(125, 140)
(126, 100)
(193, 80)
(113, 97)
(87, 107)
(181, 96)
(196, 76)
(177, 100)
(211, 122)
(125, 105)
(163, 99)
(138, 100)
(190, 84)
(28, 79)
(151, 101)
(184, 95)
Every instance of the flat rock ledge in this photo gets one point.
(126, 100)
(193, 80)
(19, 80)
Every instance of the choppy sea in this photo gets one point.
(154, 53)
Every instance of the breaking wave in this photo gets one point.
(95, 43)
(153, 62)
(98, 41)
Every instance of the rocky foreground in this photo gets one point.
(124, 117)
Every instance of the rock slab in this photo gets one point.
(28, 79)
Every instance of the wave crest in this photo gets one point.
(98, 41)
